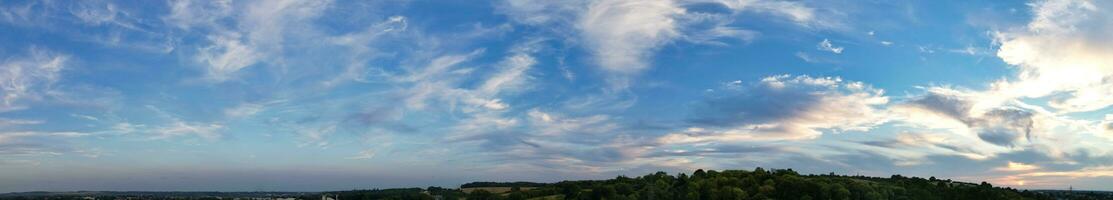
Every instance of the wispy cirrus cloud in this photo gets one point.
(623, 35)
(23, 147)
(363, 155)
(238, 40)
(28, 78)
(797, 12)
(18, 122)
(175, 127)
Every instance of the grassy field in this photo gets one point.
(550, 197)
(496, 190)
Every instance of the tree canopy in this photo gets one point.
(758, 184)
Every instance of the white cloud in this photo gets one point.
(511, 77)
(541, 12)
(917, 146)
(475, 99)
(26, 78)
(567, 73)
(258, 32)
(266, 23)
(1106, 127)
(492, 119)
(622, 34)
(243, 110)
(807, 58)
(185, 14)
(17, 122)
(926, 49)
(969, 50)
(226, 56)
(549, 124)
(362, 49)
(96, 14)
(1063, 53)
(125, 128)
(86, 117)
(992, 124)
(795, 11)
(95, 22)
(826, 45)
(712, 29)
(32, 143)
(182, 128)
(1059, 57)
(177, 127)
(18, 14)
(440, 81)
(363, 155)
(316, 135)
(105, 13)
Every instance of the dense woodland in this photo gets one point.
(758, 184)
(729, 184)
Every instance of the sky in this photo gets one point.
(310, 95)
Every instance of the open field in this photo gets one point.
(496, 190)
(550, 197)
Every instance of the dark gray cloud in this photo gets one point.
(1002, 126)
(911, 142)
(756, 105)
(722, 150)
(946, 104)
(786, 107)
(998, 137)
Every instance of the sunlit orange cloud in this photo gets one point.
(1015, 166)
(1017, 181)
(1104, 171)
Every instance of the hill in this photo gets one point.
(758, 184)
(151, 195)
(734, 184)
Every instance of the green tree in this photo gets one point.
(570, 191)
(482, 195)
(839, 192)
(732, 193)
(516, 195)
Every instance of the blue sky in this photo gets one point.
(329, 95)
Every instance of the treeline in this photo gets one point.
(1077, 195)
(148, 195)
(502, 184)
(780, 184)
(398, 193)
(759, 184)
